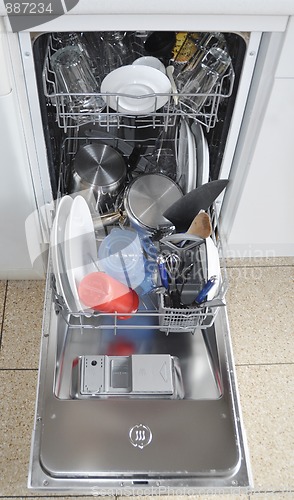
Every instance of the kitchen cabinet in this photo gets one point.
(260, 224)
(263, 223)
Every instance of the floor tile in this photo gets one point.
(2, 298)
(267, 401)
(259, 261)
(17, 404)
(22, 324)
(17, 415)
(234, 496)
(260, 309)
(272, 495)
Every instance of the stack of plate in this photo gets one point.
(73, 249)
(192, 156)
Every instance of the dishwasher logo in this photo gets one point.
(26, 15)
(140, 436)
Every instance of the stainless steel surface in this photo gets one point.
(95, 444)
(100, 169)
(148, 197)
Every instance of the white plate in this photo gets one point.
(213, 267)
(136, 81)
(57, 243)
(202, 154)
(192, 161)
(182, 157)
(206, 163)
(186, 158)
(80, 247)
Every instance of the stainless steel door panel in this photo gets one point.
(124, 437)
(84, 438)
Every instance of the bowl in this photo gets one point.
(131, 89)
(151, 61)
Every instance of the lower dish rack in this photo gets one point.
(154, 313)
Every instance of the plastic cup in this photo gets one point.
(121, 256)
(103, 293)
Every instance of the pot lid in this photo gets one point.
(149, 196)
(99, 165)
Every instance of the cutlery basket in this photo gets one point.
(173, 319)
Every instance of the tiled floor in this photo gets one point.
(260, 306)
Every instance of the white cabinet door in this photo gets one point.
(263, 224)
(17, 200)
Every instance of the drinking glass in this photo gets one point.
(203, 78)
(74, 76)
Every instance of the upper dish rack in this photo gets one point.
(163, 117)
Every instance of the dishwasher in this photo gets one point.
(137, 395)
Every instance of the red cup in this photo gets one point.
(101, 292)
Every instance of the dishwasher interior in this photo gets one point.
(142, 393)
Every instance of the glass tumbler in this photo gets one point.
(74, 76)
(203, 78)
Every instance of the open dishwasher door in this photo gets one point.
(168, 418)
(145, 397)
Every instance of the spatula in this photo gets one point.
(201, 225)
(183, 211)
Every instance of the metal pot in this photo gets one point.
(99, 171)
(145, 200)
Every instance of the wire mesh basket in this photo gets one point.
(68, 117)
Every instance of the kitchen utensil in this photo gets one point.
(101, 292)
(100, 170)
(136, 86)
(169, 71)
(201, 225)
(162, 271)
(182, 212)
(107, 219)
(121, 256)
(202, 295)
(173, 266)
(147, 197)
(160, 44)
(134, 158)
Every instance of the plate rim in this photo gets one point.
(68, 246)
(56, 247)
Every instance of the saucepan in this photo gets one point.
(145, 200)
(98, 170)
